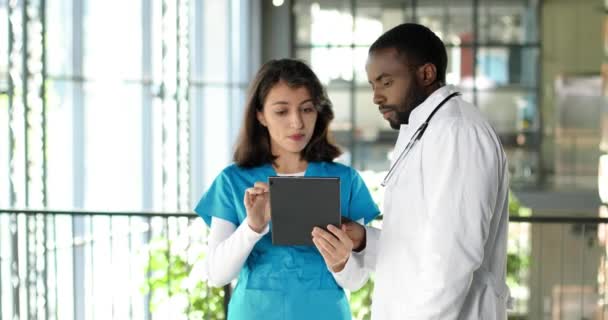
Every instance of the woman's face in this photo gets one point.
(290, 116)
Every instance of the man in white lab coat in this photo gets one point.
(441, 253)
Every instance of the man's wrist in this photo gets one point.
(339, 267)
(363, 243)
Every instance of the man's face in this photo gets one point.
(395, 85)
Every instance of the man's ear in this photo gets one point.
(261, 118)
(427, 74)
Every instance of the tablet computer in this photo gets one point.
(298, 204)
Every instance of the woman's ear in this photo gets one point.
(261, 118)
(427, 74)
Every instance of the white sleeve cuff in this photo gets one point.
(353, 263)
(372, 238)
(252, 234)
(354, 275)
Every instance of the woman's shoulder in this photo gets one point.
(236, 169)
(339, 168)
(228, 172)
(231, 169)
(234, 173)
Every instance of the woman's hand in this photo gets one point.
(257, 204)
(335, 247)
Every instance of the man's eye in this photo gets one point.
(387, 83)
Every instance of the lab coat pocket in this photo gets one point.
(488, 302)
(484, 302)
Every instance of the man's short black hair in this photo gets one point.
(418, 43)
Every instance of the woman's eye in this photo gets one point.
(309, 109)
(280, 112)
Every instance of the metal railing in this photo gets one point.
(138, 265)
(557, 267)
(104, 265)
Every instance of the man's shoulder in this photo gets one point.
(462, 120)
(462, 115)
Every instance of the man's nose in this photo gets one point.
(378, 98)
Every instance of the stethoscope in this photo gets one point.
(417, 136)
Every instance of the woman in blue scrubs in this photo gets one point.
(285, 132)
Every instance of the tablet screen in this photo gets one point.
(298, 204)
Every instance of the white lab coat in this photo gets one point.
(441, 253)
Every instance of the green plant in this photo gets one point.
(515, 263)
(174, 284)
(361, 301)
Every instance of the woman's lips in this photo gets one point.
(296, 137)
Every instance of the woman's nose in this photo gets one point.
(296, 120)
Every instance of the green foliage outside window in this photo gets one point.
(175, 284)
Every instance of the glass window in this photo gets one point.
(371, 20)
(4, 156)
(510, 110)
(3, 46)
(507, 66)
(460, 66)
(318, 17)
(508, 22)
(113, 50)
(216, 35)
(493, 67)
(369, 122)
(112, 135)
(59, 39)
(341, 125)
(60, 144)
(359, 60)
(452, 22)
(303, 23)
(523, 166)
(4, 125)
(374, 156)
(113, 156)
(333, 66)
(500, 75)
(375, 138)
(216, 136)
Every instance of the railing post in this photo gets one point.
(227, 294)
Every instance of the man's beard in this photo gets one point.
(414, 98)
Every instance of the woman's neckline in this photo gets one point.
(295, 174)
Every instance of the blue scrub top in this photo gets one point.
(285, 282)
